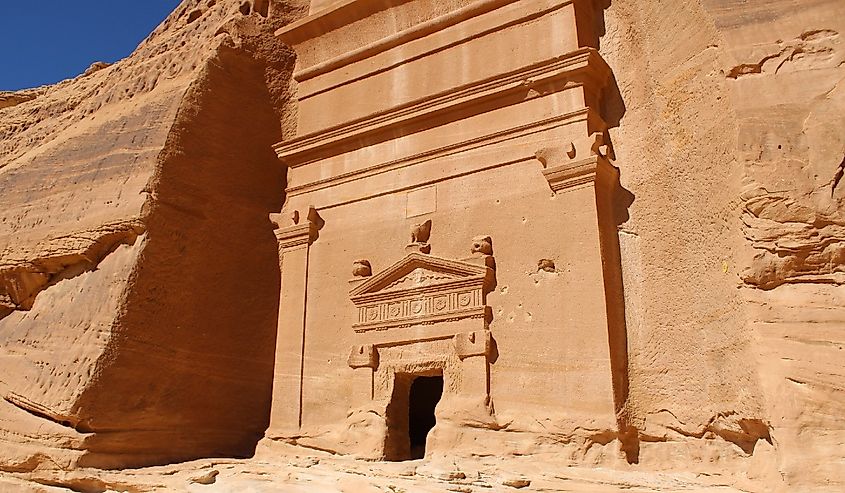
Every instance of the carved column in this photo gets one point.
(294, 245)
(588, 186)
(363, 359)
(474, 349)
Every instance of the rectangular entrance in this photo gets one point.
(410, 414)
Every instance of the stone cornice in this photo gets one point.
(440, 152)
(592, 170)
(297, 235)
(584, 66)
(349, 11)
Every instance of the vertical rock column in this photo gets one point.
(294, 245)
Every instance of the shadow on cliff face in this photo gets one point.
(189, 371)
(614, 213)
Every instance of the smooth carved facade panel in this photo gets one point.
(501, 175)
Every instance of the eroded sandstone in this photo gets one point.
(97, 174)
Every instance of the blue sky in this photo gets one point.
(45, 41)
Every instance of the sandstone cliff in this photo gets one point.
(138, 280)
(732, 142)
(137, 309)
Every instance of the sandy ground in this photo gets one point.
(302, 471)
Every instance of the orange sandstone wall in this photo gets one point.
(731, 141)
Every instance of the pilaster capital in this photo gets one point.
(299, 232)
(593, 170)
(477, 343)
(564, 170)
(363, 356)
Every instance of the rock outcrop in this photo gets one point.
(138, 314)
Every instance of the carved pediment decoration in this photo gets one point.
(422, 289)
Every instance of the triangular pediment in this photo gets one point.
(417, 271)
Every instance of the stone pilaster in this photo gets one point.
(294, 245)
(474, 350)
(589, 185)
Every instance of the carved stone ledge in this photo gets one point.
(477, 343)
(365, 356)
(296, 231)
(594, 169)
(301, 234)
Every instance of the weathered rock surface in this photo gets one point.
(133, 237)
(295, 472)
(732, 141)
(139, 284)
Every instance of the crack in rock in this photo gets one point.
(22, 281)
(837, 177)
(807, 45)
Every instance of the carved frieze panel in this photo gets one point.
(421, 289)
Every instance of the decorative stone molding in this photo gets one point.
(591, 170)
(363, 356)
(420, 290)
(295, 236)
(584, 66)
(299, 232)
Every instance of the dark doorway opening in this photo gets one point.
(425, 394)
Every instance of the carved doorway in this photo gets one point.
(425, 395)
(410, 414)
(421, 334)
